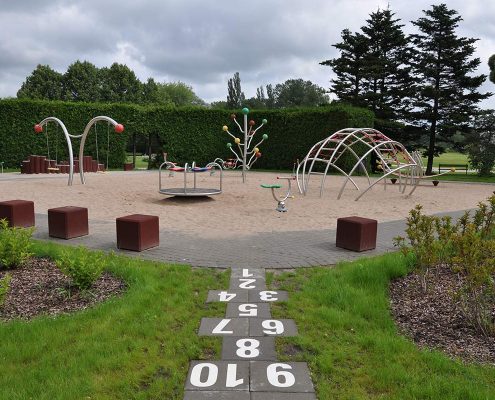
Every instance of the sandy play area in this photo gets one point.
(242, 209)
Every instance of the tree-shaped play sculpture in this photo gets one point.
(246, 154)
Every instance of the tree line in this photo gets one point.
(83, 81)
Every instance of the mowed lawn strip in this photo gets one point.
(136, 346)
(348, 337)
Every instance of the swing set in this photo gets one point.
(55, 167)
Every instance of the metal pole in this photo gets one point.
(244, 156)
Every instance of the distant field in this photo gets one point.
(140, 163)
(449, 158)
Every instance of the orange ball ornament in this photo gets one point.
(38, 128)
(258, 154)
(251, 123)
(119, 128)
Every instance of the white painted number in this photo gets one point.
(248, 348)
(232, 380)
(218, 330)
(225, 296)
(268, 295)
(272, 327)
(278, 377)
(211, 377)
(246, 283)
(248, 310)
(245, 273)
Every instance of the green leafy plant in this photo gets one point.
(84, 267)
(4, 287)
(15, 245)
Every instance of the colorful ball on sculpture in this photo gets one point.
(38, 128)
(264, 121)
(256, 150)
(258, 154)
(265, 136)
(237, 140)
(229, 145)
(245, 111)
(251, 123)
(119, 128)
(232, 116)
(225, 128)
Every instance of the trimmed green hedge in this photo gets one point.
(187, 134)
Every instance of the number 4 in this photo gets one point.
(226, 296)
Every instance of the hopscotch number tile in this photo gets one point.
(280, 396)
(247, 283)
(224, 327)
(289, 377)
(248, 310)
(227, 296)
(218, 376)
(247, 348)
(272, 327)
(219, 396)
(269, 296)
(247, 273)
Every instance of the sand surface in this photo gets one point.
(242, 209)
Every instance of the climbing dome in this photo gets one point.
(393, 160)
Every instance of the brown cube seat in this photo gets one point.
(356, 233)
(137, 232)
(68, 222)
(18, 213)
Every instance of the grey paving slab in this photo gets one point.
(291, 377)
(250, 272)
(226, 296)
(282, 396)
(247, 348)
(272, 327)
(269, 296)
(247, 283)
(249, 310)
(224, 327)
(218, 376)
(218, 396)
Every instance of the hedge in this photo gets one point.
(187, 134)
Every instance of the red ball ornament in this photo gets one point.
(119, 128)
(38, 128)
(251, 123)
(232, 116)
(258, 154)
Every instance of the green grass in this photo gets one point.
(140, 164)
(137, 346)
(449, 157)
(351, 343)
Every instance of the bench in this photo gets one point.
(450, 166)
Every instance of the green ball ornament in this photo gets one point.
(264, 121)
(229, 145)
(265, 136)
(245, 111)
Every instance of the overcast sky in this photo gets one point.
(203, 43)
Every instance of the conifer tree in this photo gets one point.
(491, 64)
(235, 97)
(446, 94)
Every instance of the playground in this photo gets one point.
(243, 209)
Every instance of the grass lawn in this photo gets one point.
(138, 346)
(449, 157)
(140, 164)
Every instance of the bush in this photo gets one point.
(15, 245)
(84, 267)
(4, 287)
(468, 248)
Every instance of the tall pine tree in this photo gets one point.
(446, 95)
(235, 97)
(491, 64)
(387, 74)
(350, 68)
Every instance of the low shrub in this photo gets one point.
(84, 267)
(467, 248)
(15, 245)
(4, 287)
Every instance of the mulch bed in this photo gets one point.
(434, 320)
(39, 288)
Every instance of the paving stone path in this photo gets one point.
(249, 369)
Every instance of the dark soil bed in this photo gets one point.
(39, 288)
(434, 320)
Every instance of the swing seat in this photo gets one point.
(53, 169)
(200, 169)
(265, 186)
(176, 169)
